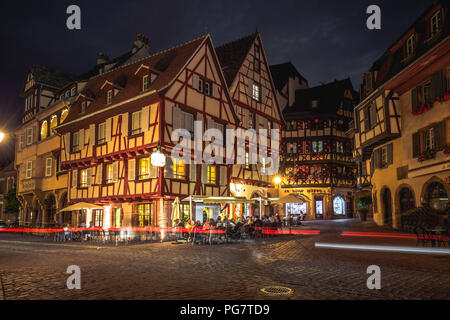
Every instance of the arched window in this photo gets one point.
(64, 114)
(437, 197)
(44, 130)
(339, 205)
(53, 123)
(406, 199)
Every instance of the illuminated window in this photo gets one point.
(48, 167)
(256, 92)
(53, 123)
(84, 178)
(211, 174)
(144, 83)
(109, 173)
(101, 138)
(317, 146)
(144, 214)
(185, 211)
(117, 218)
(136, 126)
(109, 95)
(64, 114)
(144, 168)
(429, 139)
(178, 169)
(247, 161)
(98, 218)
(319, 205)
(44, 130)
(339, 205)
(340, 146)
(292, 148)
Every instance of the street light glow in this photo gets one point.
(2, 136)
(277, 180)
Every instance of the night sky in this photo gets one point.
(325, 40)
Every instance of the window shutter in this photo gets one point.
(108, 129)
(204, 173)
(74, 178)
(67, 141)
(81, 139)
(366, 119)
(125, 125)
(92, 134)
(416, 144)
(215, 91)
(154, 172)
(176, 118)
(115, 172)
(414, 99)
(131, 169)
(195, 81)
(168, 168)
(89, 177)
(439, 135)
(193, 172)
(250, 88)
(390, 153)
(376, 159)
(99, 177)
(223, 175)
(372, 164)
(145, 118)
(437, 85)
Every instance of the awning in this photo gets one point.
(81, 206)
(218, 200)
(292, 198)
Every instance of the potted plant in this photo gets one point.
(363, 202)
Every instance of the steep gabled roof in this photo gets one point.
(50, 76)
(168, 63)
(232, 54)
(282, 72)
(329, 95)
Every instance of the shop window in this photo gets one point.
(339, 205)
(98, 218)
(319, 205)
(144, 214)
(185, 212)
(296, 208)
(116, 220)
(44, 130)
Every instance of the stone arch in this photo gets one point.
(386, 207)
(50, 209)
(425, 193)
(62, 203)
(35, 214)
(405, 198)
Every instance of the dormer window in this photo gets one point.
(53, 123)
(67, 94)
(207, 88)
(410, 44)
(435, 23)
(64, 114)
(144, 83)
(83, 107)
(109, 95)
(200, 84)
(73, 91)
(314, 104)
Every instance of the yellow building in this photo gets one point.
(403, 123)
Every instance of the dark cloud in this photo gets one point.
(326, 40)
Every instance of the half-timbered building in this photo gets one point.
(316, 154)
(402, 123)
(125, 115)
(244, 64)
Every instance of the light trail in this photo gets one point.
(399, 249)
(395, 235)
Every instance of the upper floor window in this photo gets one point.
(429, 139)
(256, 92)
(109, 96)
(424, 93)
(67, 95)
(433, 138)
(200, 84)
(448, 80)
(109, 173)
(314, 103)
(136, 123)
(44, 130)
(340, 146)
(145, 82)
(410, 45)
(291, 125)
(211, 177)
(435, 23)
(257, 65)
(73, 91)
(76, 141)
(144, 168)
(101, 136)
(53, 123)
(179, 171)
(29, 135)
(83, 107)
(84, 177)
(64, 114)
(317, 146)
(291, 148)
(48, 167)
(182, 120)
(29, 169)
(247, 161)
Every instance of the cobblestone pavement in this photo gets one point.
(35, 269)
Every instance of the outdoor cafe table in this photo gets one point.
(437, 233)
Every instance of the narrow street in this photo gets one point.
(34, 269)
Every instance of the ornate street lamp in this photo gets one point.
(158, 159)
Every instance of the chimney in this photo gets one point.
(140, 41)
(102, 58)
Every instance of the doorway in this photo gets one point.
(387, 201)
